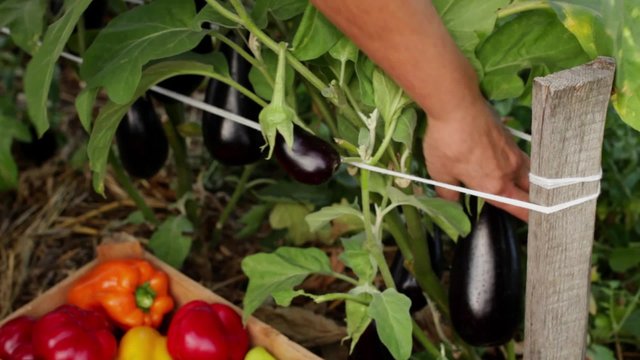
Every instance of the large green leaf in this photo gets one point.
(529, 39)
(161, 29)
(358, 320)
(390, 310)
(280, 9)
(279, 272)
(315, 35)
(11, 129)
(626, 100)
(25, 19)
(469, 22)
(389, 98)
(110, 115)
(359, 259)
(323, 216)
(586, 24)
(39, 71)
(169, 242)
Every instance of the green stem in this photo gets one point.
(175, 112)
(340, 296)
(419, 335)
(237, 194)
(322, 107)
(125, 181)
(395, 227)
(523, 6)
(242, 52)
(250, 94)
(511, 350)
(374, 247)
(385, 142)
(344, 277)
(224, 12)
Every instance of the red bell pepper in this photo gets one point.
(15, 339)
(71, 333)
(202, 331)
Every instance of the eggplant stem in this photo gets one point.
(237, 194)
(419, 335)
(125, 181)
(322, 107)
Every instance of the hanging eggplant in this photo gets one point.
(141, 140)
(310, 160)
(485, 288)
(227, 141)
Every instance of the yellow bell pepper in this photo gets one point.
(143, 343)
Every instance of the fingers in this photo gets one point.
(446, 193)
(522, 177)
(517, 193)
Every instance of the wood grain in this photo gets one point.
(569, 110)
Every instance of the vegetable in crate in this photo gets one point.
(310, 160)
(143, 343)
(227, 141)
(202, 331)
(132, 292)
(485, 290)
(15, 339)
(259, 353)
(71, 333)
(141, 140)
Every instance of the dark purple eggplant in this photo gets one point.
(485, 286)
(227, 141)
(142, 142)
(39, 150)
(311, 160)
(406, 283)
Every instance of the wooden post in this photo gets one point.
(569, 110)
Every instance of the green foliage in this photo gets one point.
(315, 35)
(25, 19)
(390, 310)
(11, 129)
(169, 243)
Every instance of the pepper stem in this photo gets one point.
(145, 296)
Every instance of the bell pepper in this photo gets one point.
(71, 333)
(15, 339)
(202, 331)
(130, 291)
(143, 343)
(259, 353)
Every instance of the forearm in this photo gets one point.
(408, 40)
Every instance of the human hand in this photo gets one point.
(471, 147)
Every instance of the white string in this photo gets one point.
(538, 180)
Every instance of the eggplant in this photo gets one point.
(406, 283)
(39, 150)
(142, 142)
(227, 141)
(310, 160)
(485, 285)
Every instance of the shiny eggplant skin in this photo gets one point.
(142, 142)
(311, 160)
(227, 141)
(485, 288)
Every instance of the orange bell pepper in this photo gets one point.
(132, 292)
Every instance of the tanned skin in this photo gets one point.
(464, 143)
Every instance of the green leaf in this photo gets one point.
(632, 324)
(325, 215)
(39, 73)
(469, 23)
(586, 24)
(279, 271)
(25, 20)
(448, 215)
(344, 50)
(358, 259)
(599, 352)
(280, 9)
(209, 14)
(390, 99)
(529, 39)
(135, 218)
(358, 320)
(315, 35)
(169, 242)
(259, 82)
(291, 216)
(110, 115)
(364, 71)
(11, 129)
(624, 258)
(252, 220)
(293, 191)
(84, 107)
(405, 127)
(390, 310)
(626, 100)
(161, 29)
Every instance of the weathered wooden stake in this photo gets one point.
(569, 109)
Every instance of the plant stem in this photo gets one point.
(374, 247)
(175, 112)
(340, 296)
(237, 194)
(224, 12)
(385, 142)
(344, 277)
(125, 181)
(394, 225)
(322, 107)
(419, 335)
(240, 50)
(519, 7)
(511, 350)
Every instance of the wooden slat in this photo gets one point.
(569, 110)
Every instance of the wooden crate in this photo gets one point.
(182, 288)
